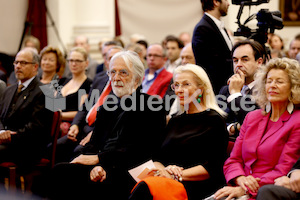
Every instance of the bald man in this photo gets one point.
(187, 55)
(157, 79)
(25, 123)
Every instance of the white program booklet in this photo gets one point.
(141, 171)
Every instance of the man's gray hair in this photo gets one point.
(35, 55)
(133, 62)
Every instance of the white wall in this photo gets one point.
(95, 18)
(156, 19)
(12, 20)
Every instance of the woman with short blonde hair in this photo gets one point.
(291, 67)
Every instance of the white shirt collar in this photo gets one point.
(26, 83)
(251, 85)
(221, 28)
(219, 23)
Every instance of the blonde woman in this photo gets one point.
(268, 144)
(78, 63)
(194, 147)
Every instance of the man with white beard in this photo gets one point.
(123, 138)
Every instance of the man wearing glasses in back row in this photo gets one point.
(157, 79)
(25, 123)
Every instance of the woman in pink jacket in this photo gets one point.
(269, 141)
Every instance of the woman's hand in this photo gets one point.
(159, 172)
(229, 192)
(175, 171)
(249, 181)
(98, 174)
(73, 132)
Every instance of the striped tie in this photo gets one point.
(20, 88)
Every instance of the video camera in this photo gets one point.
(249, 3)
(267, 22)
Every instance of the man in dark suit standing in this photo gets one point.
(211, 43)
(247, 57)
(24, 121)
(285, 188)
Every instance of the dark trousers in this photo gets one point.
(275, 192)
(67, 150)
(72, 181)
(23, 156)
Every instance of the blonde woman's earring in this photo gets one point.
(290, 107)
(268, 107)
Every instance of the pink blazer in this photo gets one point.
(265, 155)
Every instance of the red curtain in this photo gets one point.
(36, 23)
(117, 20)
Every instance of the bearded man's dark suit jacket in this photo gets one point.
(30, 119)
(212, 53)
(122, 140)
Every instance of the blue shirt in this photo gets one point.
(148, 83)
